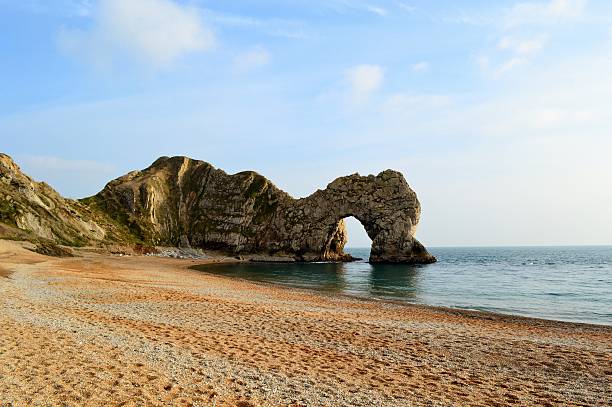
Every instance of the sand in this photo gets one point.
(108, 330)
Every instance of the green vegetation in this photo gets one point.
(258, 185)
(8, 213)
(68, 238)
(264, 208)
(88, 201)
(123, 228)
(11, 232)
(264, 205)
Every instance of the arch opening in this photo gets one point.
(358, 242)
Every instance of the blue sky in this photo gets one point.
(496, 112)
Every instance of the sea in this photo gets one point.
(558, 283)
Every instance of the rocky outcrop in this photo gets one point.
(190, 204)
(34, 209)
(183, 202)
(385, 205)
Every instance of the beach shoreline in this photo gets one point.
(464, 312)
(148, 330)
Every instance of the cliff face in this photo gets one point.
(183, 202)
(180, 201)
(29, 208)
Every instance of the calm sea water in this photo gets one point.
(561, 283)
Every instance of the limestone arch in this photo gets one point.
(384, 204)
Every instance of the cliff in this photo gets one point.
(30, 209)
(188, 203)
(34, 211)
(180, 201)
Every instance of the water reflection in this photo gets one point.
(359, 278)
(393, 280)
(319, 276)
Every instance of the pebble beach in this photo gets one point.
(99, 329)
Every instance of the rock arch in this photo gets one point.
(385, 205)
(180, 201)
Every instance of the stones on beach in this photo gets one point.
(53, 250)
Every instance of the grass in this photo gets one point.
(8, 213)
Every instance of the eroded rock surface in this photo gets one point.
(189, 204)
(384, 204)
(183, 202)
(30, 209)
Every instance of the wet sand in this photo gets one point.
(108, 330)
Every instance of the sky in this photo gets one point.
(496, 112)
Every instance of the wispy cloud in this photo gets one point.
(422, 66)
(509, 65)
(347, 6)
(548, 12)
(402, 103)
(520, 52)
(522, 47)
(518, 46)
(275, 27)
(252, 59)
(363, 80)
(409, 8)
(376, 10)
(155, 32)
(556, 100)
(521, 13)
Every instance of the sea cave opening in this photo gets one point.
(359, 243)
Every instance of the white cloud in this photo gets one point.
(560, 100)
(519, 22)
(376, 10)
(522, 47)
(365, 79)
(251, 60)
(156, 32)
(500, 67)
(406, 7)
(403, 103)
(554, 117)
(509, 65)
(81, 8)
(274, 27)
(521, 52)
(358, 86)
(550, 12)
(422, 66)
(352, 6)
